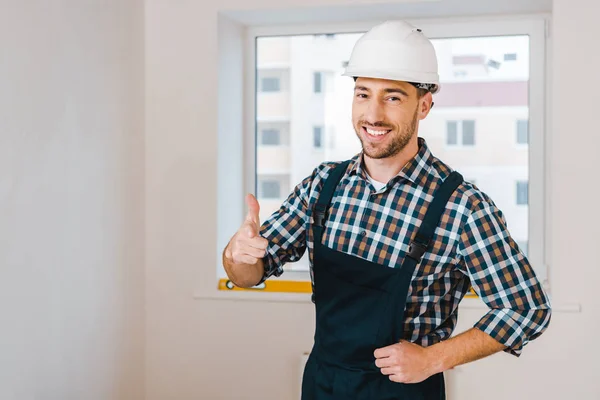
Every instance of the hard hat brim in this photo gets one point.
(406, 76)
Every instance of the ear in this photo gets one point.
(425, 104)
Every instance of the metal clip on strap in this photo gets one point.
(319, 217)
(416, 250)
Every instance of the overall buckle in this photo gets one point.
(319, 217)
(416, 250)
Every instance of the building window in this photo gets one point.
(452, 133)
(318, 137)
(271, 189)
(522, 131)
(271, 137)
(270, 84)
(522, 193)
(510, 57)
(494, 64)
(317, 82)
(460, 133)
(468, 133)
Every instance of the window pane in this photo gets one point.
(271, 189)
(271, 137)
(451, 133)
(510, 57)
(522, 193)
(317, 82)
(468, 133)
(317, 137)
(471, 128)
(493, 94)
(522, 131)
(494, 64)
(270, 84)
(273, 133)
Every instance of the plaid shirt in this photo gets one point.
(471, 247)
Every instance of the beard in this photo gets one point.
(398, 141)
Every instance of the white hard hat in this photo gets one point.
(398, 51)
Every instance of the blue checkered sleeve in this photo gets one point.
(503, 278)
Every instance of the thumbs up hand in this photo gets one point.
(246, 246)
(252, 221)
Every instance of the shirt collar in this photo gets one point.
(415, 171)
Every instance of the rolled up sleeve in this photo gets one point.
(286, 228)
(503, 278)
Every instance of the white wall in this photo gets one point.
(71, 200)
(226, 349)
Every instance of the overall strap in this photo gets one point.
(320, 210)
(422, 240)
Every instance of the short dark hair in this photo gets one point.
(421, 92)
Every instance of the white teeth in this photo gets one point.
(376, 133)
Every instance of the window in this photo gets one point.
(317, 137)
(522, 131)
(271, 133)
(494, 64)
(317, 82)
(271, 137)
(468, 133)
(522, 193)
(271, 189)
(475, 113)
(270, 84)
(452, 133)
(510, 57)
(460, 133)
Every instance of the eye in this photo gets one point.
(361, 95)
(394, 99)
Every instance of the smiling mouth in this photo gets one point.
(376, 133)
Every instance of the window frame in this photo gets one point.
(532, 25)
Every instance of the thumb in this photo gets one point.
(253, 210)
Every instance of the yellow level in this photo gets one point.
(281, 286)
(271, 286)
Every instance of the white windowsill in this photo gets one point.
(466, 304)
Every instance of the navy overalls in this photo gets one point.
(359, 308)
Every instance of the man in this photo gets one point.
(395, 240)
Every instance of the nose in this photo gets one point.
(374, 114)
